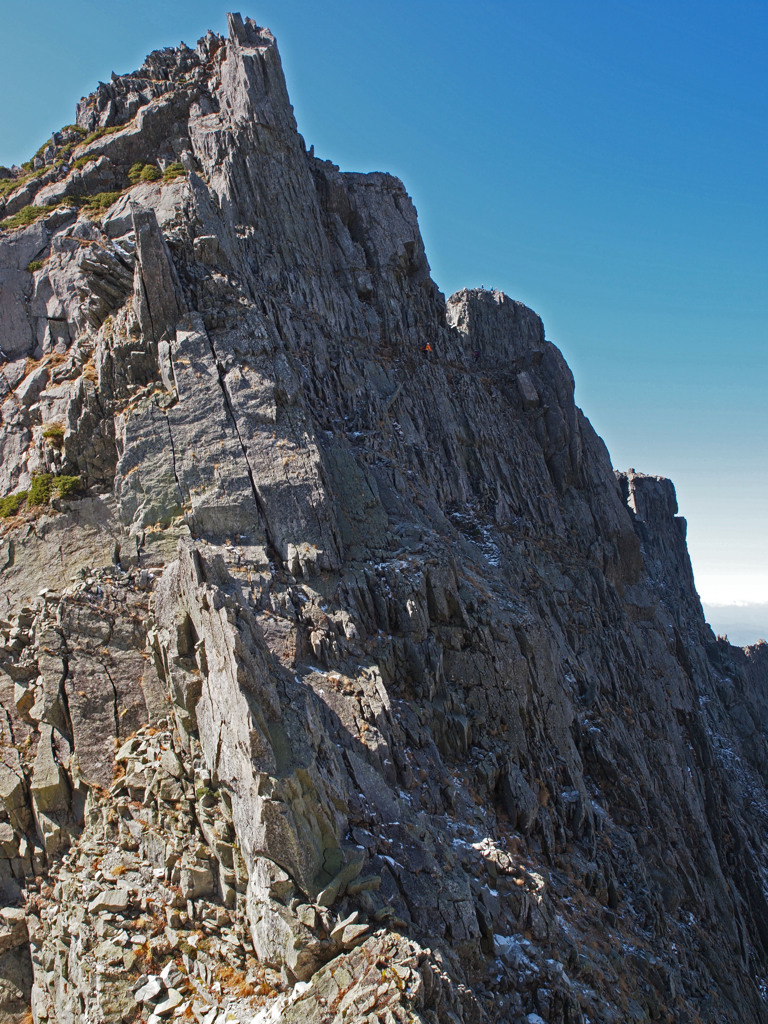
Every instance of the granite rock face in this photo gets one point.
(348, 682)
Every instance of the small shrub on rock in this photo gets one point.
(45, 485)
(101, 201)
(174, 170)
(26, 215)
(41, 489)
(150, 173)
(8, 185)
(83, 160)
(10, 505)
(99, 133)
(54, 434)
(65, 486)
(134, 173)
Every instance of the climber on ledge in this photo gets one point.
(427, 349)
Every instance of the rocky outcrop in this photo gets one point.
(341, 677)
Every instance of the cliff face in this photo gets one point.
(348, 681)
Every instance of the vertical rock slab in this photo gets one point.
(17, 336)
(157, 299)
(259, 748)
(278, 437)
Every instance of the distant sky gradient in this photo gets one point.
(604, 162)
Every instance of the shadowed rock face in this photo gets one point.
(352, 684)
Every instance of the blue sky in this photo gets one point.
(604, 162)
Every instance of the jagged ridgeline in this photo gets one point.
(342, 678)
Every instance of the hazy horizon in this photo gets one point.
(743, 624)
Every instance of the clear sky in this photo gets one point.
(604, 162)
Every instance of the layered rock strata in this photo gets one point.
(341, 680)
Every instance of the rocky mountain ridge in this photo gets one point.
(341, 679)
